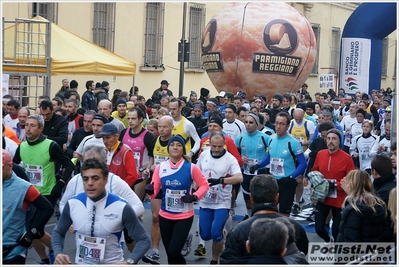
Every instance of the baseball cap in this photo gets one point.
(222, 93)
(164, 82)
(7, 158)
(108, 129)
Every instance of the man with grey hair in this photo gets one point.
(39, 154)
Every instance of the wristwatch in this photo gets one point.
(130, 261)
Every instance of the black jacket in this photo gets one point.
(157, 95)
(237, 237)
(383, 186)
(57, 129)
(89, 101)
(260, 259)
(294, 256)
(366, 226)
(77, 137)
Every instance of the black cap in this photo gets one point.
(164, 82)
(98, 85)
(204, 92)
(216, 119)
(233, 107)
(301, 105)
(104, 83)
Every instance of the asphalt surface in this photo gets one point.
(69, 247)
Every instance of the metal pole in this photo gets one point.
(182, 42)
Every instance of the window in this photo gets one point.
(196, 28)
(104, 25)
(335, 48)
(384, 66)
(48, 11)
(316, 31)
(153, 35)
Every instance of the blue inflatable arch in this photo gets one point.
(361, 46)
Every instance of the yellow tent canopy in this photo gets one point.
(70, 54)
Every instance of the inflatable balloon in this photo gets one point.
(259, 48)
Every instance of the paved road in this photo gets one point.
(69, 247)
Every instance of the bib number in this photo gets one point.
(35, 174)
(211, 195)
(174, 202)
(277, 167)
(247, 166)
(90, 250)
(159, 159)
(332, 189)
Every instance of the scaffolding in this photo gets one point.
(28, 59)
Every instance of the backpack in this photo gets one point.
(320, 186)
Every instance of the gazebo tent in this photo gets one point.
(70, 54)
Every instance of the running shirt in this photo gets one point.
(302, 131)
(140, 144)
(282, 164)
(363, 146)
(217, 196)
(346, 123)
(233, 129)
(253, 146)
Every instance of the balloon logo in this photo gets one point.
(258, 48)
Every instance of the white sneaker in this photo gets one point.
(187, 245)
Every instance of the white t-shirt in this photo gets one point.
(233, 129)
(346, 123)
(217, 196)
(90, 140)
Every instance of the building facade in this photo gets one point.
(148, 33)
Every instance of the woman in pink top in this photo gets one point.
(175, 178)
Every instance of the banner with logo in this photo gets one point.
(4, 85)
(355, 64)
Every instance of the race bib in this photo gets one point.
(211, 195)
(332, 189)
(90, 250)
(174, 202)
(277, 167)
(35, 174)
(159, 159)
(248, 165)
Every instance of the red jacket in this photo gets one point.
(334, 166)
(123, 164)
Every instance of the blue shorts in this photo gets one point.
(211, 223)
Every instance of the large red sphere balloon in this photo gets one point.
(259, 48)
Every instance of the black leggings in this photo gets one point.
(322, 211)
(174, 234)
